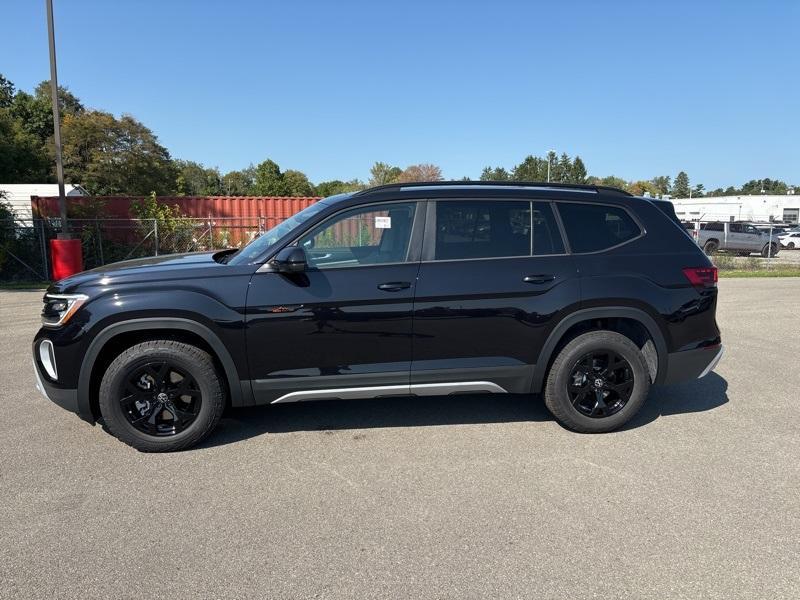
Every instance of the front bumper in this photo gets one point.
(692, 364)
(66, 398)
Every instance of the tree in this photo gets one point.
(240, 183)
(578, 171)
(295, 183)
(422, 172)
(662, 184)
(562, 169)
(495, 174)
(6, 92)
(269, 179)
(382, 173)
(23, 159)
(335, 186)
(111, 156)
(196, 180)
(680, 189)
(532, 168)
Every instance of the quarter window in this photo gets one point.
(370, 235)
(593, 227)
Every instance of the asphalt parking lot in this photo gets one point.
(433, 497)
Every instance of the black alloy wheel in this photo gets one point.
(600, 384)
(160, 398)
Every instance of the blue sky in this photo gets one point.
(637, 89)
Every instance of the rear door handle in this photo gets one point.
(538, 278)
(394, 286)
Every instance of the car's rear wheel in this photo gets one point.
(711, 247)
(790, 245)
(597, 383)
(161, 396)
(769, 250)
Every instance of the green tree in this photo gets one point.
(495, 174)
(269, 180)
(578, 171)
(196, 180)
(111, 156)
(562, 169)
(295, 183)
(335, 186)
(23, 159)
(382, 173)
(662, 183)
(7, 92)
(240, 183)
(532, 168)
(680, 189)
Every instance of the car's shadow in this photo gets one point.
(244, 423)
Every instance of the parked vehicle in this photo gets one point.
(740, 238)
(790, 240)
(584, 293)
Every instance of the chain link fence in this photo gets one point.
(25, 243)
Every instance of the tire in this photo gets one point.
(173, 415)
(711, 247)
(561, 383)
(790, 245)
(765, 251)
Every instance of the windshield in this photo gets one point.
(260, 245)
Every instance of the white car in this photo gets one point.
(790, 240)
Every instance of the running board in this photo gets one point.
(418, 389)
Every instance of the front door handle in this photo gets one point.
(394, 286)
(538, 278)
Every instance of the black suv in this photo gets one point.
(584, 293)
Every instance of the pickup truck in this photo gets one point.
(740, 238)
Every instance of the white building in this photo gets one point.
(19, 194)
(763, 208)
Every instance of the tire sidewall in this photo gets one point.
(588, 343)
(119, 370)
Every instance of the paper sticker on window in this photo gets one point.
(383, 222)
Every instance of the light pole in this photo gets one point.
(62, 200)
(549, 160)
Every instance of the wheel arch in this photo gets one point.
(132, 331)
(587, 319)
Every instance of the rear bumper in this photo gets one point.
(692, 364)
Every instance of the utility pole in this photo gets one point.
(62, 200)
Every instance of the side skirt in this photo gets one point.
(423, 389)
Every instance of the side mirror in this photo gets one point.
(291, 259)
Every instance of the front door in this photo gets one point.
(495, 278)
(342, 328)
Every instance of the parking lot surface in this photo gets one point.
(421, 498)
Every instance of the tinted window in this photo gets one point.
(735, 228)
(712, 226)
(593, 227)
(362, 236)
(482, 229)
(546, 237)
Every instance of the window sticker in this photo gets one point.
(383, 222)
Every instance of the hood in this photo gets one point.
(152, 269)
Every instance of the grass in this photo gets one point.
(23, 285)
(776, 272)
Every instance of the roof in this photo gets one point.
(503, 185)
(19, 194)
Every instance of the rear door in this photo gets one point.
(494, 279)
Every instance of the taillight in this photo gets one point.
(703, 277)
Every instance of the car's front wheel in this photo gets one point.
(161, 396)
(597, 383)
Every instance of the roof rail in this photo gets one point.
(541, 185)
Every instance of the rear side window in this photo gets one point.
(482, 229)
(594, 227)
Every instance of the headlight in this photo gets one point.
(59, 308)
